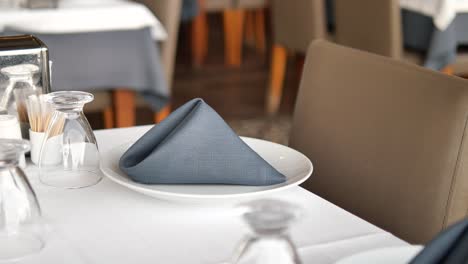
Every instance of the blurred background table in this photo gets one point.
(106, 45)
(108, 223)
(432, 30)
(435, 27)
(427, 33)
(442, 11)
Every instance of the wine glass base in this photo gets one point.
(19, 245)
(71, 179)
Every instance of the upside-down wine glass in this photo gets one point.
(269, 242)
(69, 156)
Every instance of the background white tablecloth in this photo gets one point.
(108, 223)
(78, 16)
(442, 11)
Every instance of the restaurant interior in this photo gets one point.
(234, 131)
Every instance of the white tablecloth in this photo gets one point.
(108, 223)
(442, 11)
(78, 16)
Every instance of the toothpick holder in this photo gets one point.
(54, 146)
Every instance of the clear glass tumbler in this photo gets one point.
(69, 156)
(22, 82)
(269, 243)
(21, 225)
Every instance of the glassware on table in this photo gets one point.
(69, 156)
(269, 221)
(10, 128)
(22, 82)
(21, 226)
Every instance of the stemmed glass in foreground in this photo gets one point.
(270, 243)
(21, 226)
(69, 156)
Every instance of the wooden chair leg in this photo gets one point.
(249, 28)
(162, 114)
(199, 36)
(233, 28)
(260, 30)
(448, 70)
(108, 115)
(277, 72)
(124, 107)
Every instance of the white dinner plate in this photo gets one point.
(291, 163)
(393, 255)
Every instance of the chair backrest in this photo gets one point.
(296, 23)
(218, 5)
(168, 12)
(251, 4)
(387, 139)
(369, 25)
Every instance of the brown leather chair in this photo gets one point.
(373, 26)
(295, 24)
(387, 139)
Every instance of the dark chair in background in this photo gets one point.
(373, 26)
(237, 15)
(295, 25)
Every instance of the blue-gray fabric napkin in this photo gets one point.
(451, 246)
(195, 146)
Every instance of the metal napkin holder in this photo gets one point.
(22, 50)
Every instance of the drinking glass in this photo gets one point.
(69, 155)
(21, 226)
(22, 80)
(269, 243)
(19, 76)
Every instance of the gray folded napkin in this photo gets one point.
(450, 246)
(195, 146)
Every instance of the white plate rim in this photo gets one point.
(141, 188)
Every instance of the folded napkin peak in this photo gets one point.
(194, 145)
